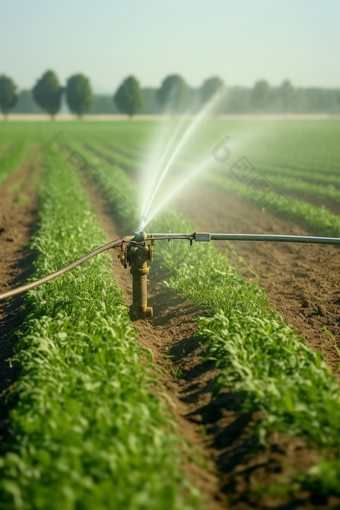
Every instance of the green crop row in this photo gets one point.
(301, 175)
(88, 429)
(261, 359)
(128, 138)
(313, 190)
(10, 161)
(318, 220)
(115, 157)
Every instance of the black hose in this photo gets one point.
(29, 286)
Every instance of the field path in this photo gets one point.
(302, 281)
(18, 201)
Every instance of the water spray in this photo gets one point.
(138, 249)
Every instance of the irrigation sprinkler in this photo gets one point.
(137, 250)
(137, 256)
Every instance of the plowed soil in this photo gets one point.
(17, 217)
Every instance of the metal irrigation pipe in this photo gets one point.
(137, 257)
(207, 236)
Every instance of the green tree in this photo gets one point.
(260, 95)
(173, 93)
(129, 97)
(79, 95)
(210, 87)
(47, 93)
(8, 96)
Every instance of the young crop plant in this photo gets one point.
(88, 429)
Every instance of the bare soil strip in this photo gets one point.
(302, 281)
(221, 463)
(18, 201)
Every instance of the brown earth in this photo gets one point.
(18, 202)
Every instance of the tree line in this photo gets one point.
(174, 96)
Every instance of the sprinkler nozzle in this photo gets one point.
(140, 236)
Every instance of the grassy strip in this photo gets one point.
(88, 432)
(263, 361)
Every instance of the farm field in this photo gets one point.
(229, 396)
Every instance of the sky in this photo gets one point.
(241, 41)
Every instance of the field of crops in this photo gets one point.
(229, 396)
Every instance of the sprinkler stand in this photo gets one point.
(137, 256)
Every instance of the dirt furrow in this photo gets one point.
(18, 201)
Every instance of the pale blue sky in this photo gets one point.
(240, 40)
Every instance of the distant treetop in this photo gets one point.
(129, 97)
(8, 96)
(79, 95)
(47, 93)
